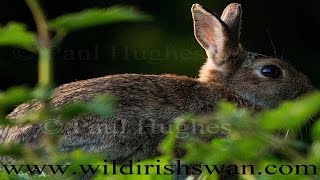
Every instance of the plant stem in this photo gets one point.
(44, 44)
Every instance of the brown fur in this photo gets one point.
(230, 73)
(140, 101)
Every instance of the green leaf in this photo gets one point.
(96, 17)
(101, 105)
(73, 110)
(43, 93)
(11, 149)
(168, 144)
(13, 97)
(316, 130)
(16, 34)
(5, 122)
(314, 154)
(291, 114)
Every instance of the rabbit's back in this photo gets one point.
(145, 106)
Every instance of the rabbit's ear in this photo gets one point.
(232, 17)
(214, 35)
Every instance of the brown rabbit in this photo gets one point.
(145, 101)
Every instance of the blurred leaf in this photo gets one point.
(168, 144)
(16, 34)
(5, 122)
(43, 93)
(249, 144)
(316, 130)
(217, 152)
(79, 157)
(314, 154)
(225, 109)
(228, 112)
(101, 105)
(11, 149)
(72, 110)
(13, 97)
(291, 114)
(96, 17)
(33, 116)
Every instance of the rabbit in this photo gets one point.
(144, 103)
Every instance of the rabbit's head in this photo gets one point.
(258, 78)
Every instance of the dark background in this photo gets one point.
(165, 45)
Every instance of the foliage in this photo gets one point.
(94, 17)
(250, 140)
(258, 139)
(16, 34)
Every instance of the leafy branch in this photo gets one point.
(44, 44)
(16, 34)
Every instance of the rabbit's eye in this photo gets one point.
(271, 71)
